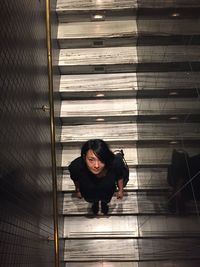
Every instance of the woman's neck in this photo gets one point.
(102, 173)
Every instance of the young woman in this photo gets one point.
(96, 173)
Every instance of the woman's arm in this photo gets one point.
(74, 170)
(120, 192)
(77, 189)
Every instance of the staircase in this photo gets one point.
(133, 83)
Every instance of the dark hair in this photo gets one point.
(100, 149)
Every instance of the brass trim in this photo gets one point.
(52, 128)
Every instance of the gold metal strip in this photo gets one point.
(52, 126)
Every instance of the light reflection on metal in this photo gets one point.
(100, 119)
(175, 14)
(97, 17)
(52, 131)
(173, 142)
(174, 118)
(173, 93)
(100, 95)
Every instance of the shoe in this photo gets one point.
(95, 207)
(104, 208)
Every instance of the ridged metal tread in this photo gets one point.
(85, 5)
(104, 29)
(127, 55)
(131, 249)
(89, 5)
(167, 263)
(128, 84)
(129, 226)
(81, 10)
(129, 205)
(93, 84)
(129, 132)
(134, 203)
(125, 28)
(108, 109)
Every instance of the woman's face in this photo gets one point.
(93, 163)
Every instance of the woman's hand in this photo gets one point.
(120, 194)
(77, 189)
(78, 194)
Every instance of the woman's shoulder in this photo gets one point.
(76, 164)
(117, 161)
(117, 157)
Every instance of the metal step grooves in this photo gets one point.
(118, 250)
(181, 263)
(135, 203)
(131, 227)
